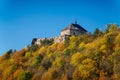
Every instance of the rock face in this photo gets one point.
(38, 40)
(71, 30)
(61, 38)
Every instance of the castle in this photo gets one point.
(73, 29)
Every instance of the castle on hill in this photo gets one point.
(73, 29)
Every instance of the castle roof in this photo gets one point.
(71, 26)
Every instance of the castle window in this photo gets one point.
(73, 33)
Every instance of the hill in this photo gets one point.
(87, 57)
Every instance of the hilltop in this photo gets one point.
(73, 29)
(85, 57)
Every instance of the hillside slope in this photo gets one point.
(86, 57)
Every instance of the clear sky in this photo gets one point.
(22, 20)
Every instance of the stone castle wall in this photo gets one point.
(65, 32)
(57, 39)
(60, 39)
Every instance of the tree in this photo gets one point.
(38, 59)
(51, 74)
(116, 58)
(86, 70)
(77, 59)
(72, 39)
(97, 33)
(67, 52)
(9, 72)
(33, 48)
(64, 77)
(24, 75)
(8, 54)
(111, 27)
(117, 39)
(47, 42)
(59, 62)
(81, 46)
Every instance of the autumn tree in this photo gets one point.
(24, 75)
(97, 33)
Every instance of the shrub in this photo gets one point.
(47, 42)
(24, 75)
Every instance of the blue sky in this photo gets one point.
(22, 20)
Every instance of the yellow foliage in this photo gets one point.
(60, 46)
(81, 58)
(76, 58)
(72, 46)
(88, 45)
(82, 45)
(53, 47)
(103, 49)
(51, 74)
(86, 68)
(72, 39)
(59, 62)
(42, 50)
(117, 39)
(27, 54)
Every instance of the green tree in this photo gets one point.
(111, 27)
(38, 59)
(47, 42)
(33, 48)
(24, 75)
(67, 52)
(97, 33)
(59, 62)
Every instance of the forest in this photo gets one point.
(93, 56)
